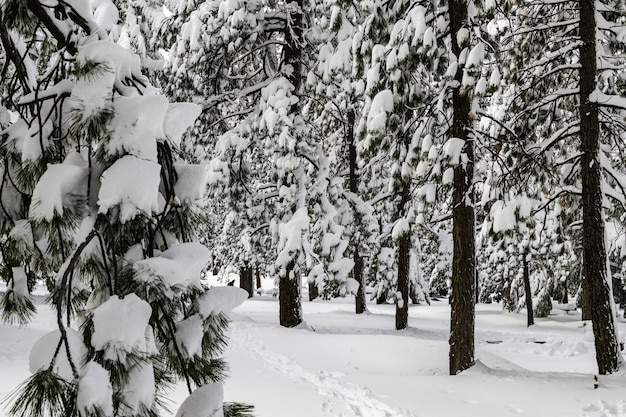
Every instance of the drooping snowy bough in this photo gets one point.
(97, 202)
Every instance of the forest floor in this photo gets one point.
(344, 365)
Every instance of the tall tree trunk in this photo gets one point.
(357, 270)
(404, 262)
(246, 279)
(257, 273)
(360, 298)
(585, 303)
(530, 318)
(402, 306)
(594, 251)
(464, 253)
(290, 306)
(314, 291)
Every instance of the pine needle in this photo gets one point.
(16, 308)
(43, 394)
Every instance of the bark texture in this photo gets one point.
(464, 253)
(595, 263)
(246, 279)
(357, 271)
(404, 257)
(530, 317)
(290, 304)
(402, 306)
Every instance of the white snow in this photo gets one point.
(503, 214)
(53, 188)
(205, 401)
(140, 388)
(137, 126)
(365, 368)
(117, 340)
(352, 286)
(178, 118)
(133, 185)
(401, 228)
(43, 350)
(189, 334)
(476, 56)
(191, 182)
(221, 300)
(20, 282)
(94, 391)
(382, 104)
(105, 14)
(452, 149)
(179, 266)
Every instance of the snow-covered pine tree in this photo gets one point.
(567, 92)
(395, 90)
(335, 88)
(96, 202)
(449, 38)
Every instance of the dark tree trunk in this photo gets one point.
(290, 307)
(585, 303)
(530, 318)
(594, 250)
(404, 261)
(357, 271)
(246, 279)
(257, 273)
(314, 291)
(360, 299)
(382, 298)
(464, 253)
(402, 306)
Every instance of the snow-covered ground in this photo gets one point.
(358, 366)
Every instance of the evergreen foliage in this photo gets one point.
(99, 203)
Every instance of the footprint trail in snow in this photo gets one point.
(359, 401)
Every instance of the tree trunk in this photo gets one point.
(530, 318)
(290, 307)
(246, 279)
(585, 303)
(404, 263)
(464, 253)
(314, 291)
(357, 270)
(594, 251)
(402, 305)
(258, 277)
(360, 300)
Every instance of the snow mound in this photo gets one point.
(221, 300)
(94, 391)
(140, 389)
(179, 266)
(115, 339)
(43, 350)
(133, 185)
(53, 189)
(178, 118)
(206, 401)
(189, 335)
(191, 183)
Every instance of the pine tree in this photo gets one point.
(571, 111)
(104, 210)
